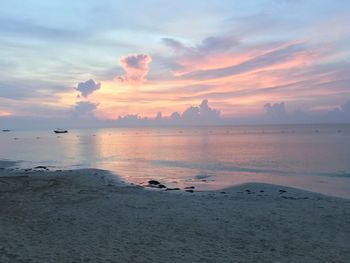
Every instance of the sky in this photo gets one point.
(245, 61)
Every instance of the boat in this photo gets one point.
(6, 130)
(60, 131)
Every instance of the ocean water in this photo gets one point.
(310, 157)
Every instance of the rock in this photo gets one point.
(282, 191)
(223, 192)
(261, 191)
(190, 191)
(172, 189)
(189, 187)
(153, 182)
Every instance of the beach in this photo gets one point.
(90, 215)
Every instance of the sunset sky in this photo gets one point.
(143, 57)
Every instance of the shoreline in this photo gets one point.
(14, 169)
(90, 216)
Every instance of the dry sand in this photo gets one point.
(87, 216)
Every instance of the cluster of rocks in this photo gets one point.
(157, 184)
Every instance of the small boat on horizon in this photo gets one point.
(60, 131)
(6, 130)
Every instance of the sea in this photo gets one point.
(311, 157)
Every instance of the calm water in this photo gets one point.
(311, 157)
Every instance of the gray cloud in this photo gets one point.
(276, 110)
(201, 114)
(84, 109)
(215, 44)
(345, 108)
(174, 44)
(208, 45)
(277, 113)
(88, 87)
(18, 89)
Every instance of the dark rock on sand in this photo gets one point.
(189, 187)
(153, 182)
(172, 189)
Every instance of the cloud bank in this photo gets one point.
(277, 113)
(199, 115)
(82, 115)
(204, 115)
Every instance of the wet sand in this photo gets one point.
(90, 216)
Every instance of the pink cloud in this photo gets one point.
(136, 68)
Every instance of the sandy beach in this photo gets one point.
(91, 216)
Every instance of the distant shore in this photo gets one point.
(91, 216)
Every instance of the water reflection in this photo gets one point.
(208, 158)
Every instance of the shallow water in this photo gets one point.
(311, 157)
